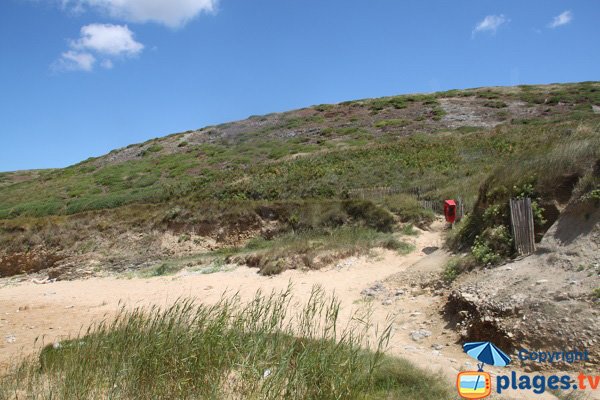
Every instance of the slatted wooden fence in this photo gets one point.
(521, 216)
(435, 205)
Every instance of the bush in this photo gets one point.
(372, 216)
(456, 266)
(409, 230)
(397, 245)
(409, 210)
(385, 123)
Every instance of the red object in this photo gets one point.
(450, 211)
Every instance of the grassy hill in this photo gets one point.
(446, 142)
(301, 168)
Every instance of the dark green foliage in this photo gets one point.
(397, 102)
(458, 265)
(371, 215)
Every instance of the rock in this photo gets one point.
(541, 281)
(398, 292)
(387, 302)
(561, 297)
(10, 338)
(368, 293)
(437, 346)
(420, 334)
(373, 290)
(56, 345)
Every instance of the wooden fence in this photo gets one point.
(425, 200)
(383, 191)
(521, 217)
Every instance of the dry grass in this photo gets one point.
(258, 350)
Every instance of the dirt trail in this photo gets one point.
(57, 310)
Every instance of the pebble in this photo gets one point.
(420, 334)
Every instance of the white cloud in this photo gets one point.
(490, 23)
(113, 40)
(173, 13)
(98, 40)
(75, 61)
(562, 19)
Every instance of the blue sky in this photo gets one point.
(79, 78)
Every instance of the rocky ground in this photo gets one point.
(544, 301)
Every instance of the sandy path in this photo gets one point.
(55, 311)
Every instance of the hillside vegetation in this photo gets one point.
(439, 141)
(298, 171)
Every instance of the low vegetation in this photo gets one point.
(340, 154)
(568, 172)
(303, 172)
(258, 350)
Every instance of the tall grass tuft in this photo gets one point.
(231, 350)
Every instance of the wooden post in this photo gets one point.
(521, 217)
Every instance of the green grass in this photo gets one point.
(257, 350)
(385, 123)
(257, 164)
(409, 230)
(307, 248)
(456, 266)
(314, 249)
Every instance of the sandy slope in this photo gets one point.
(56, 310)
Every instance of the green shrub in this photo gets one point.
(162, 270)
(408, 209)
(458, 265)
(483, 252)
(373, 216)
(437, 113)
(409, 230)
(451, 271)
(397, 102)
(155, 148)
(397, 245)
(385, 123)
